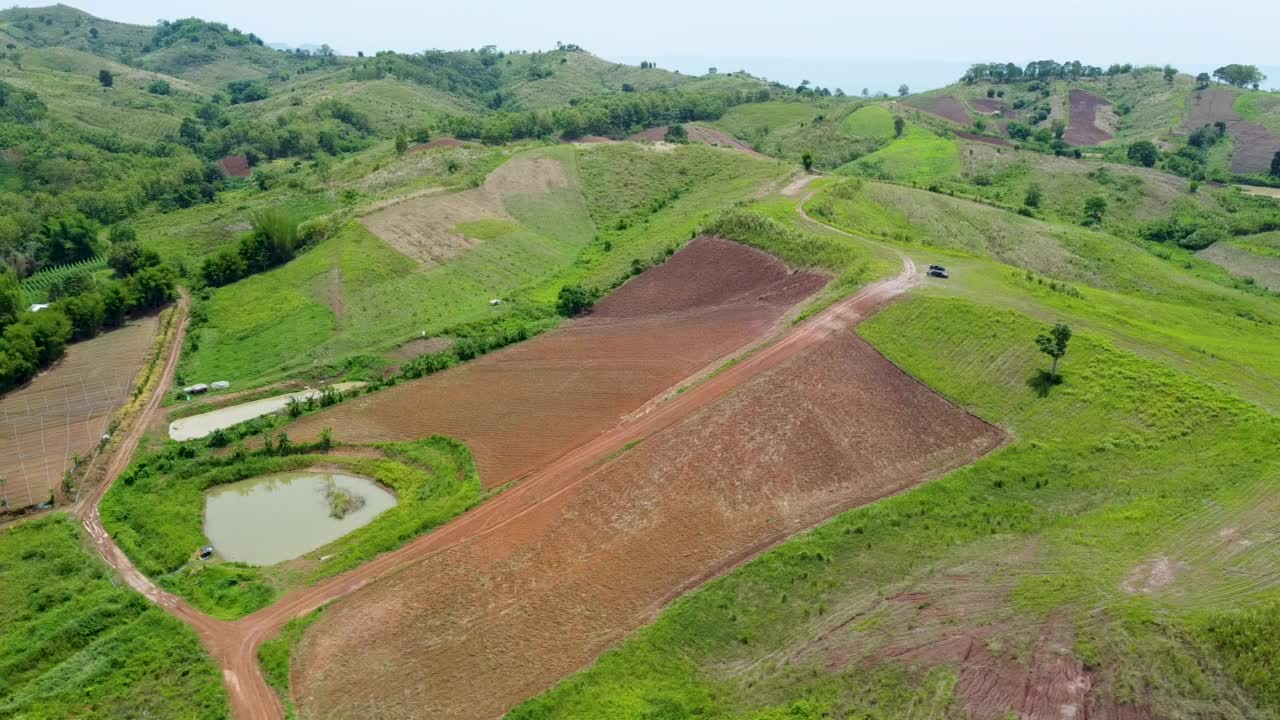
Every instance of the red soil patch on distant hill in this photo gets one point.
(987, 105)
(235, 166)
(1255, 145)
(1082, 128)
(521, 407)
(438, 143)
(944, 106)
(516, 609)
(999, 142)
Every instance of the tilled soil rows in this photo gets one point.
(1083, 126)
(1255, 145)
(514, 610)
(63, 411)
(944, 106)
(521, 407)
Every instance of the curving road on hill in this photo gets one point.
(233, 645)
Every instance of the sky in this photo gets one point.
(849, 44)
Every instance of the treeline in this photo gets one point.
(609, 115)
(1007, 72)
(30, 341)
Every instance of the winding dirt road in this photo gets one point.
(233, 645)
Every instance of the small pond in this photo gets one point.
(273, 518)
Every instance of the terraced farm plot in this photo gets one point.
(519, 408)
(1255, 144)
(64, 411)
(518, 608)
(944, 106)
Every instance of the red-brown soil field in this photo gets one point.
(235, 166)
(1255, 145)
(523, 406)
(64, 410)
(438, 143)
(516, 609)
(987, 105)
(944, 106)
(1082, 128)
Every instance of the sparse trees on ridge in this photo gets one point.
(1203, 80)
(1239, 75)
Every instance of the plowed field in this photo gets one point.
(514, 610)
(521, 407)
(1255, 145)
(1083, 126)
(64, 411)
(944, 106)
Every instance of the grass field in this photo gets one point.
(274, 657)
(872, 121)
(919, 156)
(74, 644)
(155, 513)
(1260, 107)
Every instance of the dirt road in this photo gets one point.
(233, 645)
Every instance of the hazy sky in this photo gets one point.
(836, 38)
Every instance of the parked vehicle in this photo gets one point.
(938, 273)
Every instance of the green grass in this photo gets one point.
(1260, 107)
(761, 119)
(155, 513)
(275, 655)
(872, 121)
(74, 644)
(918, 157)
(1100, 469)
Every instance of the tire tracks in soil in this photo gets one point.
(233, 645)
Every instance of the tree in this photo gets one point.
(866, 92)
(1170, 72)
(70, 237)
(574, 300)
(1055, 346)
(11, 298)
(1202, 80)
(1094, 208)
(402, 142)
(807, 160)
(106, 78)
(1034, 196)
(1144, 152)
(899, 125)
(159, 87)
(903, 90)
(152, 287)
(1239, 75)
(676, 134)
(1059, 129)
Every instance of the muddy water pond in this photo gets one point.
(273, 518)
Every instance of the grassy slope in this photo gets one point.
(156, 516)
(256, 326)
(73, 644)
(919, 156)
(786, 129)
(1127, 460)
(580, 75)
(1260, 107)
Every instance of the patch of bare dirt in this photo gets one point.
(944, 106)
(446, 142)
(333, 296)
(420, 346)
(235, 166)
(517, 609)
(1255, 145)
(1082, 125)
(700, 134)
(1152, 576)
(974, 137)
(423, 227)
(987, 106)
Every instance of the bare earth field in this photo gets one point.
(698, 133)
(1082, 128)
(64, 411)
(521, 407)
(1255, 145)
(988, 106)
(516, 609)
(944, 106)
(423, 227)
(974, 137)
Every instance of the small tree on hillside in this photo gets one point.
(898, 126)
(807, 160)
(402, 142)
(1203, 80)
(903, 90)
(1144, 152)
(1034, 196)
(1055, 346)
(676, 134)
(106, 78)
(1275, 165)
(1170, 72)
(1094, 208)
